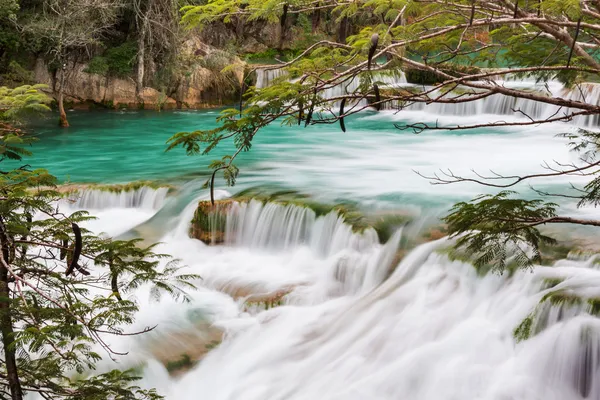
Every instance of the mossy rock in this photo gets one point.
(210, 221)
(112, 188)
(266, 301)
(182, 364)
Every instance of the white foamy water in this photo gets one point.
(499, 105)
(353, 323)
(275, 226)
(125, 209)
(142, 198)
(433, 330)
(265, 77)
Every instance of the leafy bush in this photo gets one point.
(17, 74)
(121, 59)
(117, 61)
(97, 65)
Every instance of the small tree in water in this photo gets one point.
(61, 287)
(437, 43)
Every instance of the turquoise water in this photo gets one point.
(372, 162)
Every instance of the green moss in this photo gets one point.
(128, 187)
(386, 225)
(209, 222)
(212, 345)
(185, 362)
(594, 306)
(561, 298)
(550, 283)
(348, 211)
(68, 190)
(551, 254)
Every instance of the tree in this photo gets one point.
(67, 27)
(157, 30)
(443, 43)
(62, 288)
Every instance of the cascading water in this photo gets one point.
(492, 105)
(295, 305)
(264, 77)
(98, 199)
(277, 226)
(433, 329)
(499, 104)
(125, 206)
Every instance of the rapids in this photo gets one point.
(296, 305)
(434, 329)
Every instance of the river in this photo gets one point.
(348, 323)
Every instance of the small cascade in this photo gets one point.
(588, 93)
(279, 226)
(98, 199)
(264, 77)
(499, 104)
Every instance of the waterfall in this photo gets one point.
(278, 226)
(501, 105)
(98, 199)
(497, 104)
(353, 326)
(434, 330)
(264, 77)
(393, 79)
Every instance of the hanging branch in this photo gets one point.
(242, 91)
(311, 109)
(76, 250)
(516, 8)
(300, 111)
(212, 186)
(574, 41)
(114, 283)
(377, 97)
(341, 116)
(472, 13)
(372, 49)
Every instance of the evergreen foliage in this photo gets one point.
(64, 290)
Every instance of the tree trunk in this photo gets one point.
(239, 29)
(6, 324)
(316, 20)
(141, 60)
(282, 25)
(343, 30)
(62, 122)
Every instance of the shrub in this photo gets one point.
(116, 61)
